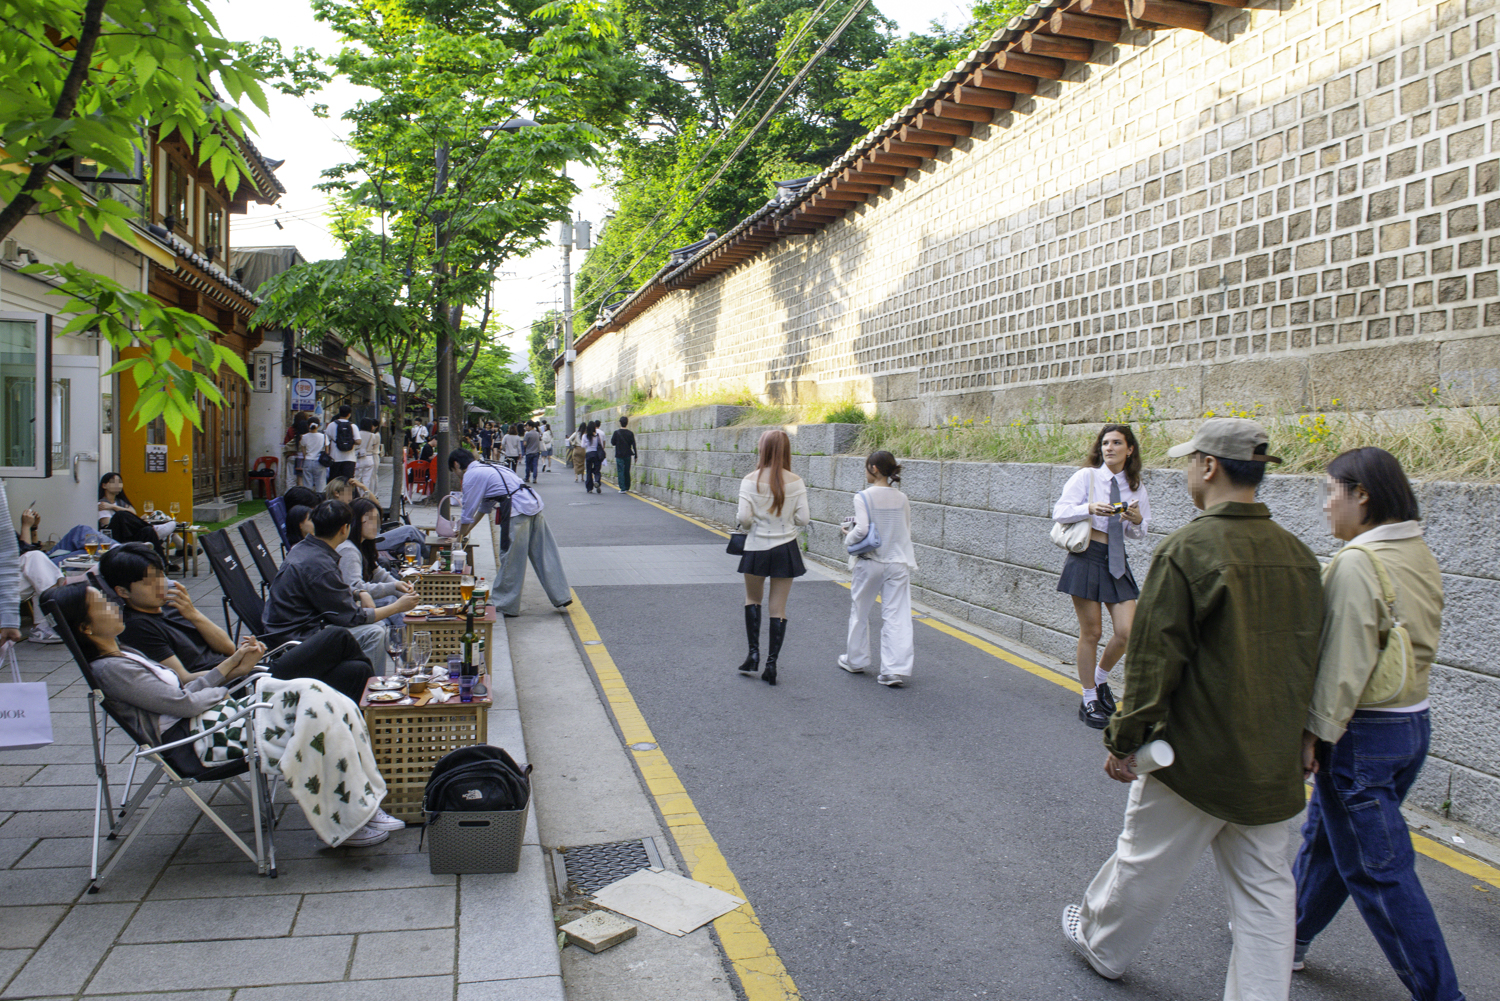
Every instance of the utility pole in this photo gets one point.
(569, 416)
(444, 335)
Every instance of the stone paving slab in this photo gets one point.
(366, 924)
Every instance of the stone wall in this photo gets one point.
(981, 531)
(1301, 204)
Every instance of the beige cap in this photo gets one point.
(1226, 438)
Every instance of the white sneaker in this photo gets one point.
(43, 633)
(364, 837)
(1072, 926)
(892, 680)
(385, 822)
(844, 663)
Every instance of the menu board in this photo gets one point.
(156, 458)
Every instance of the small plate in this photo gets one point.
(386, 697)
(381, 685)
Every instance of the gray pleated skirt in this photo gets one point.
(1086, 575)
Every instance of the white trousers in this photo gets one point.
(364, 471)
(1164, 836)
(891, 583)
(37, 574)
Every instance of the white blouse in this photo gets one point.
(1073, 505)
(892, 513)
(768, 529)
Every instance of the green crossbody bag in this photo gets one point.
(1394, 666)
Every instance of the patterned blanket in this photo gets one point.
(316, 738)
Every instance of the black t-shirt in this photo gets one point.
(624, 442)
(168, 635)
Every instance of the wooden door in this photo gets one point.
(205, 449)
(231, 457)
(162, 478)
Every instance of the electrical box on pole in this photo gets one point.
(582, 233)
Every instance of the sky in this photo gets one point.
(530, 286)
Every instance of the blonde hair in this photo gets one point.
(774, 452)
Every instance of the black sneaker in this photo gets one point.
(1106, 698)
(1094, 715)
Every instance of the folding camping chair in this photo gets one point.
(239, 591)
(276, 508)
(259, 553)
(176, 764)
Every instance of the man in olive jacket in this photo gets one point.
(1221, 665)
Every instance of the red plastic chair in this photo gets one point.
(421, 477)
(263, 484)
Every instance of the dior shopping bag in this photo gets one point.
(25, 719)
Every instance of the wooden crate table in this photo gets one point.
(409, 739)
(437, 588)
(448, 634)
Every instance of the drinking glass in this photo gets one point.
(173, 508)
(150, 506)
(418, 651)
(466, 587)
(91, 548)
(393, 647)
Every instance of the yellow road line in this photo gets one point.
(760, 969)
(1432, 848)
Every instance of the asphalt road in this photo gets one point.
(916, 844)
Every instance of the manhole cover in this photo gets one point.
(593, 867)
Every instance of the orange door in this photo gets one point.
(140, 465)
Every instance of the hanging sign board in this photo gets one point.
(304, 394)
(262, 381)
(156, 458)
(442, 424)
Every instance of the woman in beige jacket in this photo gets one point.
(1368, 727)
(773, 509)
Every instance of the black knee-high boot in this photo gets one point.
(752, 632)
(778, 633)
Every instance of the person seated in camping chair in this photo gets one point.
(162, 623)
(399, 539)
(158, 705)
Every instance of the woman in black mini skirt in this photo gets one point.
(772, 512)
(1107, 491)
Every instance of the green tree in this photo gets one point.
(543, 330)
(81, 80)
(914, 63)
(705, 63)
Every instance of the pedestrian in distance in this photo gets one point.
(546, 447)
(518, 530)
(486, 439)
(311, 445)
(593, 455)
(369, 451)
(624, 442)
(883, 572)
(1108, 492)
(1368, 727)
(531, 449)
(575, 451)
(1222, 666)
(510, 447)
(343, 444)
(772, 511)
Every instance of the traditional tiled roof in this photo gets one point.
(203, 274)
(1035, 46)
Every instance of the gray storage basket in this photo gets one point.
(479, 841)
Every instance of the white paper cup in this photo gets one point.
(1151, 756)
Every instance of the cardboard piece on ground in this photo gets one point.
(666, 900)
(598, 930)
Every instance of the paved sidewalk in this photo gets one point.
(366, 924)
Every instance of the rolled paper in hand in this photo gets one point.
(1152, 755)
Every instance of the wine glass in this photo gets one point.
(150, 507)
(393, 647)
(419, 651)
(91, 548)
(173, 509)
(466, 587)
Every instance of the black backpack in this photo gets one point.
(343, 435)
(478, 778)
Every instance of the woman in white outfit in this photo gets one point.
(311, 445)
(884, 572)
(368, 452)
(773, 509)
(546, 448)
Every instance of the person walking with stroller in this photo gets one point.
(882, 521)
(773, 509)
(1108, 492)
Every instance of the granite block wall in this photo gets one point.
(1300, 204)
(981, 531)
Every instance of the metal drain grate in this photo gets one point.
(593, 867)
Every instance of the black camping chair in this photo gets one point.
(177, 763)
(260, 554)
(239, 591)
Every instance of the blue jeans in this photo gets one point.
(592, 470)
(622, 471)
(1356, 844)
(531, 460)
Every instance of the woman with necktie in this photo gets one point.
(1108, 491)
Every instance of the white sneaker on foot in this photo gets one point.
(1072, 926)
(385, 822)
(892, 680)
(364, 837)
(844, 663)
(43, 633)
